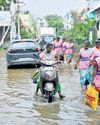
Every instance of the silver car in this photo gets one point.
(22, 52)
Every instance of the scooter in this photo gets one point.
(48, 79)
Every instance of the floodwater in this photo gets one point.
(19, 106)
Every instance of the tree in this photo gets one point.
(27, 26)
(3, 2)
(81, 28)
(25, 34)
(56, 22)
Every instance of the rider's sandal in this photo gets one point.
(62, 96)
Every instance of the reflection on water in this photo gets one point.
(19, 106)
(48, 113)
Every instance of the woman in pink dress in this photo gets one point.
(64, 50)
(58, 47)
(96, 75)
(96, 49)
(64, 46)
(44, 55)
(53, 41)
(49, 53)
(69, 50)
(85, 69)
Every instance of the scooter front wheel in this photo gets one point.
(50, 98)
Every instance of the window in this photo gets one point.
(26, 45)
(98, 26)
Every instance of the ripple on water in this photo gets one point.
(18, 106)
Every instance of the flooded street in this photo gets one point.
(19, 106)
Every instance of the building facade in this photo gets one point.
(95, 13)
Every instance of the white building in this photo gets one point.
(92, 4)
(95, 13)
(8, 15)
(6, 20)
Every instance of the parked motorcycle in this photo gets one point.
(49, 79)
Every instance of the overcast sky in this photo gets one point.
(59, 7)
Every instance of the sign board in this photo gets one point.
(5, 18)
(47, 30)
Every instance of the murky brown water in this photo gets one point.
(18, 106)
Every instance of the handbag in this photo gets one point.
(92, 97)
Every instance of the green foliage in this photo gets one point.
(28, 32)
(14, 1)
(67, 34)
(2, 3)
(81, 29)
(56, 22)
(33, 25)
(25, 34)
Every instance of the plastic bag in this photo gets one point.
(92, 97)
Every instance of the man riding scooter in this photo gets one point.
(49, 53)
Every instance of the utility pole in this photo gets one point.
(19, 3)
(13, 26)
(67, 20)
(18, 20)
